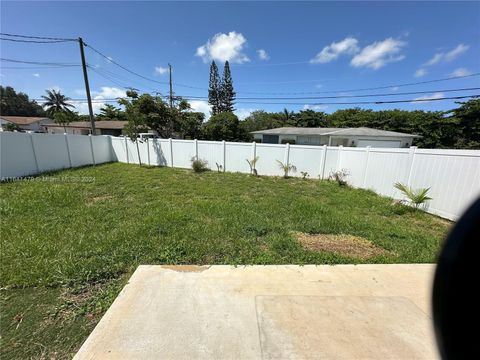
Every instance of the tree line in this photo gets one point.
(457, 128)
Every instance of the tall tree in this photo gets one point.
(56, 102)
(111, 112)
(214, 89)
(227, 93)
(223, 126)
(18, 104)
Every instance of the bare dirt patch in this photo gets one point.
(342, 244)
(96, 199)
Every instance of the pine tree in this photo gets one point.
(227, 94)
(214, 89)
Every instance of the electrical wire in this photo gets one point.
(344, 96)
(39, 62)
(37, 37)
(323, 103)
(35, 41)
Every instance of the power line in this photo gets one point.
(109, 59)
(367, 102)
(35, 41)
(39, 62)
(317, 103)
(343, 96)
(362, 89)
(38, 37)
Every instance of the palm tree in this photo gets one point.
(56, 102)
(286, 116)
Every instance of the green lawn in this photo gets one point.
(69, 245)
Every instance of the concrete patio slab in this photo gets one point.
(269, 312)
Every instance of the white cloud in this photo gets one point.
(36, 75)
(335, 49)
(319, 86)
(105, 92)
(224, 47)
(395, 88)
(243, 113)
(437, 95)
(263, 55)
(379, 53)
(461, 72)
(159, 70)
(201, 106)
(447, 56)
(420, 73)
(314, 107)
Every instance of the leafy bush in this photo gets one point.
(199, 165)
(304, 174)
(252, 163)
(287, 168)
(339, 177)
(415, 197)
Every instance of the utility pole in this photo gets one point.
(171, 88)
(87, 87)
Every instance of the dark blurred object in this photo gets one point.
(456, 305)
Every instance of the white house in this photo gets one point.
(354, 137)
(26, 123)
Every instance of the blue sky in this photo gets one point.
(274, 47)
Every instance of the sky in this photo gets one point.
(276, 49)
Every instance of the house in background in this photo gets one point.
(25, 123)
(108, 127)
(353, 137)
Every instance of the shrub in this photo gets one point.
(252, 163)
(304, 174)
(219, 167)
(287, 168)
(199, 165)
(415, 197)
(339, 177)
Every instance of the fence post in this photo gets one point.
(287, 154)
(324, 160)
(34, 153)
(68, 149)
(126, 150)
(170, 144)
(413, 149)
(195, 144)
(224, 147)
(254, 149)
(339, 157)
(148, 151)
(366, 167)
(91, 148)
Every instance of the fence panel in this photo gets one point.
(235, 154)
(453, 177)
(307, 159)
(159, 152)
(16, 155)
(183, 152)
(51, 151)
(385, 168)
(269, 155)
(212, 152)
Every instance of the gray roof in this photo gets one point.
(360, 131)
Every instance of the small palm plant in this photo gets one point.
(287, 168)
(416, 198)
(252, 163)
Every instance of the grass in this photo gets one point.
(69, 245)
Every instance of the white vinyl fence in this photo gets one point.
(452, 175)
(28, 154)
